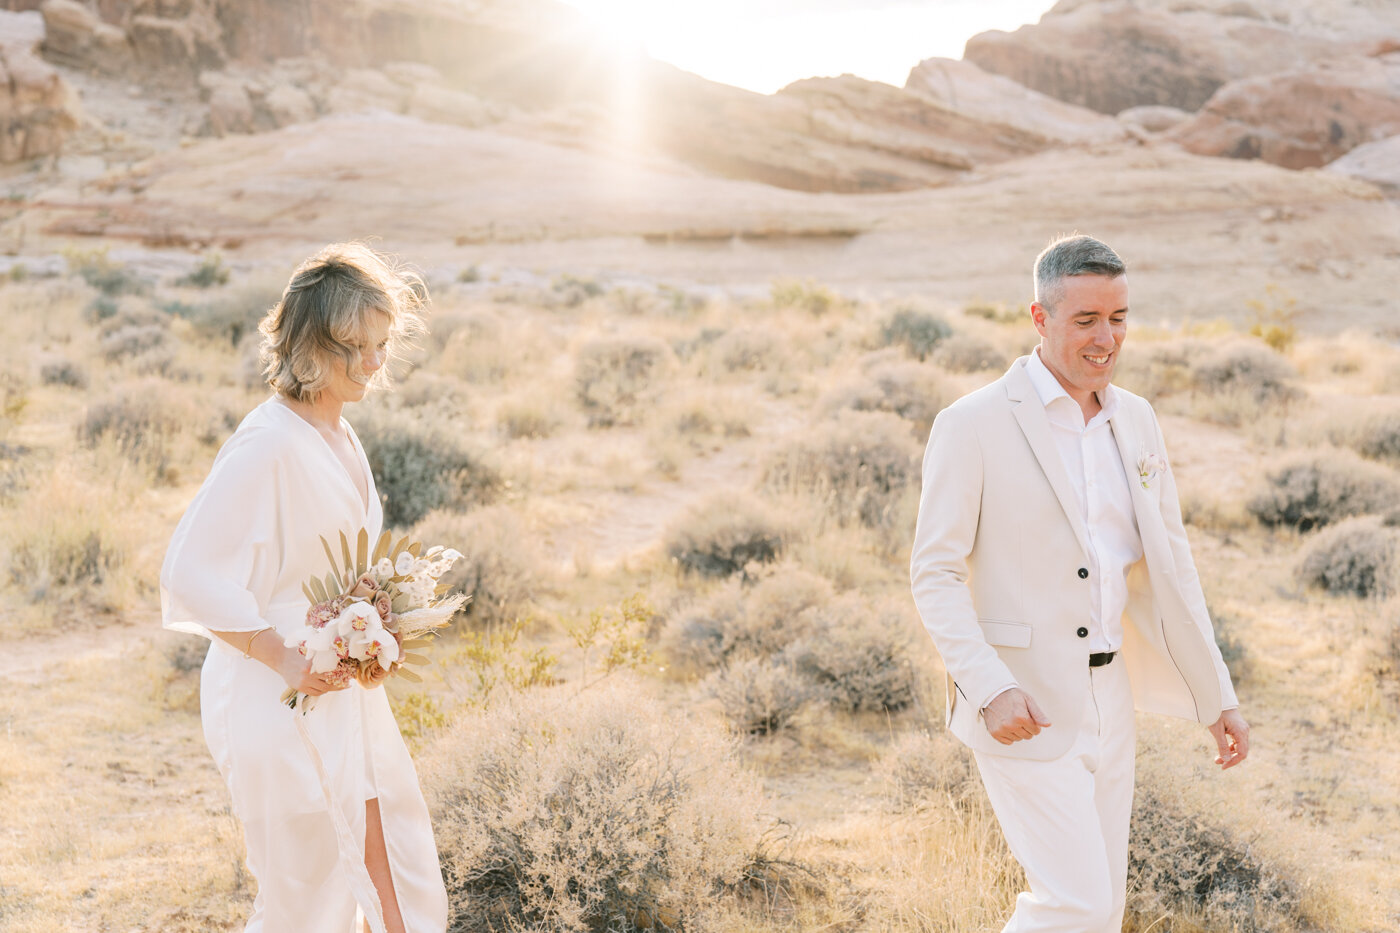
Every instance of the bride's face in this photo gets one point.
(350, 384)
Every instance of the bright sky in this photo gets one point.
(764, 44)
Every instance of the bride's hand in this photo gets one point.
(296, 671)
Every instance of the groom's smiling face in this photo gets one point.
(1083, 331)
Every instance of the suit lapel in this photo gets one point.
(1151, 529)
(1030, 415)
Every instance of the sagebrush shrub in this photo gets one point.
(501, 569)
(1378, 437)
(809, 296)
(738, 622)
(109, 277)
(210, 271)
(747, 349)
(66, 541)
(1184, 864)
(230, 317)
(917, 331)
(63, 373)
(419, 467)
(964, 353)
(929, 769)
(143, 421)
(903, 388)
(615, 376)
(1247, 369)
(861, 465)
(693, 640)
(859, 654)
(588, 812)
(1315, 489)
(1356, 557)
(762, 695)
(725, 533)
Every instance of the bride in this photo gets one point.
(335, 824)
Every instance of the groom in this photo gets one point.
(1052, 570)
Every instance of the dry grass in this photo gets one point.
(720, 435)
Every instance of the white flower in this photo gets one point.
(1148, 466)
(405, 564)
(384, 570)
(354, 618)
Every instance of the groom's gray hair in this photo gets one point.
(1075, 254)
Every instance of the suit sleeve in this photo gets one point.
(229, 528)
(1186, 572)
(949, 511)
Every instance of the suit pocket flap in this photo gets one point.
(1006, 634)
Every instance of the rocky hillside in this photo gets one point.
(507, 132)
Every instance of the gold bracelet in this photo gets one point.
(248, 651)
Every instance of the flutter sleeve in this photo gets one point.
(226, 539)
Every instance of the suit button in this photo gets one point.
(1083, 573)
(1082, 632)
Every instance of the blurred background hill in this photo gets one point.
(1266, 130)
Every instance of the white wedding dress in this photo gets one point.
(236, 563)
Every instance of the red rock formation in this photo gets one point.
(37, 107)
(1110, 56)
(1300, 119)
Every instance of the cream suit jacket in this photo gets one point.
(996, 571)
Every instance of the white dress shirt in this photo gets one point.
(1095, 470)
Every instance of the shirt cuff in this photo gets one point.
(996, 693)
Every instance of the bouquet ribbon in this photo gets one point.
(351, 854)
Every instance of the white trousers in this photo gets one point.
(1066, 820)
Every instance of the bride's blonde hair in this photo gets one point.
(324, 315)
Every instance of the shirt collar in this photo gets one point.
(1048, 388)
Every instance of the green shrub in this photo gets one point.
(419, 467)
(762, 696)
(964, 353)
(1316, 489)
(861, 657)
(725, 534)
(589, 812)
(572, 291)
(1186, 866)
(615, 376)
(209, 272)
(807, 296)
(1356, 557)
(861, 465)
(98, 270)
(918, 332)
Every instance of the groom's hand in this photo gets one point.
(1014, 716)
(1231, 734)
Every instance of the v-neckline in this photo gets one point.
(365, 475)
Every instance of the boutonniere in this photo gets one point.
(1148, 466)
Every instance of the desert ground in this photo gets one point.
(671, 408)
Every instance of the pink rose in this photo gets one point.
(364, 588)
(384, 606)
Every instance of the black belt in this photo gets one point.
(1100, 658)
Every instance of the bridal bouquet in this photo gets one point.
(373, 610)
